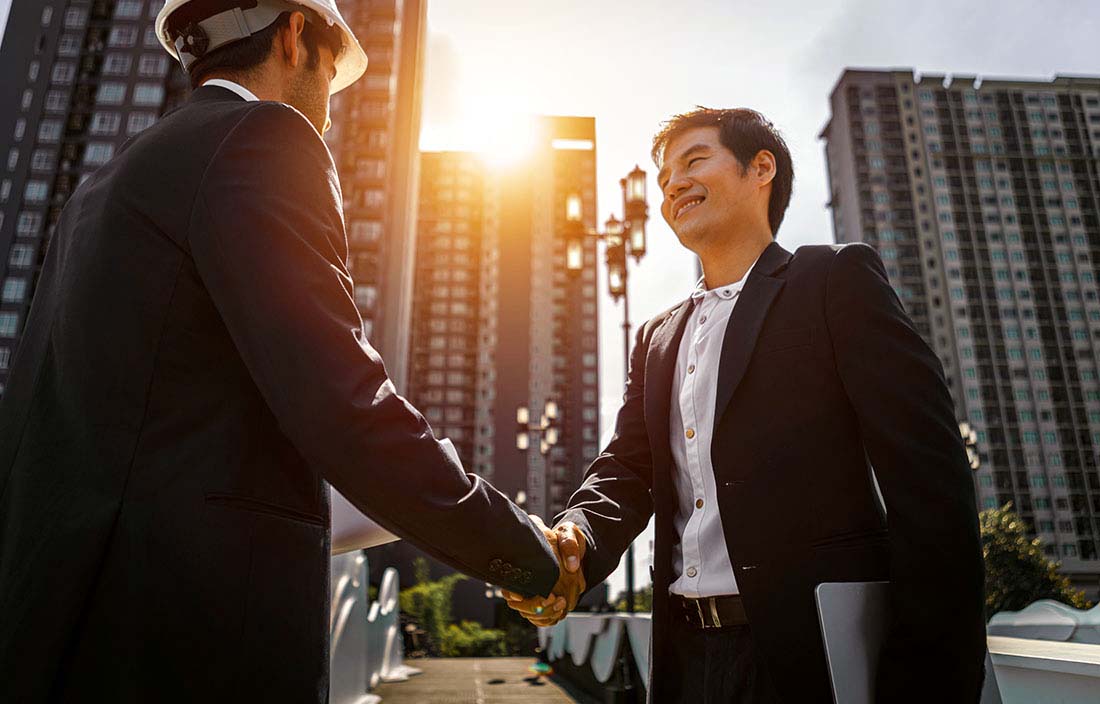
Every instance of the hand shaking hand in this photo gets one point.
(568, 544)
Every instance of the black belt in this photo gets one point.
(710, 611)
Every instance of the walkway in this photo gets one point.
(476, 681)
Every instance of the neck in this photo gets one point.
(259, 83)
(728, 263)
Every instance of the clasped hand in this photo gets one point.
(568, 544)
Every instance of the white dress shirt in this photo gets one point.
(230, 85)
(700, 562)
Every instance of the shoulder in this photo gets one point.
(827, 254)
(275, 143)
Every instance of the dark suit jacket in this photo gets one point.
(192, 373)
(822, 376)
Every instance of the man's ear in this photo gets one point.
(288, 39)
(763, 167)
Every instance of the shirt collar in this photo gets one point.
(230, 85)
(726, 292)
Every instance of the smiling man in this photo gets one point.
(754, 414)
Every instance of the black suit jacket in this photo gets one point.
(822, 376)
(193, 372)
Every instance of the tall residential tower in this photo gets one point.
(982, 198)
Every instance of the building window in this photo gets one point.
(98, 153)
(75, 17)
(366, 296)
(42, 160)
(63, 72)
(148, 94)
(128, 9)
(15, 290)
(36, 191)
(117, 65)
(5, 357)
(122, 36)
(105, 123)
(366, 231)
(139, 121)
(152, 65)
(9, 323)
(13, 158)
(22, 255)
(150, 40)
(111, 93)
(56, 101)
(29, 224)
(374, 197)
(68, 45)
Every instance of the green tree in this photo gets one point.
(1016, 571)
(643, 599)
(470, 639)
(428, 605)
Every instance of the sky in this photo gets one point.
(491, 63)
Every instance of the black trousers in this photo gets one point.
(717, 666)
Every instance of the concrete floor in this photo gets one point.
(475, 681)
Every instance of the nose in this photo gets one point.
(675, 186)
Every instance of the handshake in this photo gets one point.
(568, 544)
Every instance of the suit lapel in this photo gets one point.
(660, 366)
(744, 325)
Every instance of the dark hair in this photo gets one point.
(245, 54)
(744, 132)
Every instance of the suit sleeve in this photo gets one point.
(613, 504)
(897, 388)
(267, 238)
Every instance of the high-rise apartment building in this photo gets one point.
(983, 199)
(374, 140)
(80, 77)
(77, 78)
(499, 322)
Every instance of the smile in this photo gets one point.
(687, 205)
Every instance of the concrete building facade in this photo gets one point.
(983, 198)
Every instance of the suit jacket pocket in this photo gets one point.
(785, 340)
(247, 503)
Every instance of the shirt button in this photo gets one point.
(702, 319)
(692, 572)
(690, 433)
(698, 503)
(691, 369)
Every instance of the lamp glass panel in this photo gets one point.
(523, 415)
(522, 441)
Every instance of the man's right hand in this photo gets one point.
(568, 544)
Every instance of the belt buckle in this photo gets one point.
(711, 606)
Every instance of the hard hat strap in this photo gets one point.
(200, 38)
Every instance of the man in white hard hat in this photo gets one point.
(192, 374)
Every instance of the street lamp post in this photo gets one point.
(623, 238)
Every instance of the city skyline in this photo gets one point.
(633, 64)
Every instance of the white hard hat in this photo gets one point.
(239, 21)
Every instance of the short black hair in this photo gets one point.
(745, 133)
(245, 54)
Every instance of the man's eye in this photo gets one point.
(692, 161)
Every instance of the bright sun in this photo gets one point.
(496, 130)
